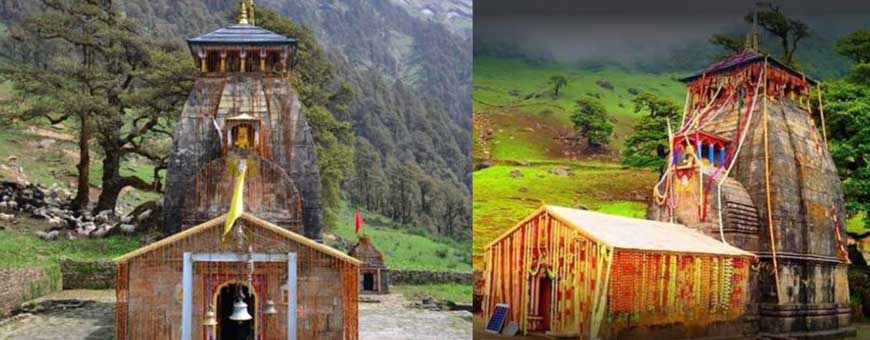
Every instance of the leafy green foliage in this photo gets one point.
(847, 106)
(855, 46)
(86, 61)
(558, 82)
(648, 146)
(789, 31)
(592, 122)
(729, 43)
(415, 160)
(408, 160)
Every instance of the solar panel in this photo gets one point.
(498, 317)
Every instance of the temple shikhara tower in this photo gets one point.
(243, 105)
(243, 188)
(750, 166)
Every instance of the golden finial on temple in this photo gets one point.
(243, 17)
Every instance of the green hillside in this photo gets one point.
(523, 131)
(520, 91)
(504, 194)
(518, 128)
(407, 247)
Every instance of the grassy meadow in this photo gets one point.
(453, 292)
(525, 126)
(20, 248)
(501, 200)
(522, 90)
(407, 247)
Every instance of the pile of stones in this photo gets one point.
(53, 205)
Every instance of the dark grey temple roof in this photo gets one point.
(241, 34)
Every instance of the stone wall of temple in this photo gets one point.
(286, 133)
(805, 197)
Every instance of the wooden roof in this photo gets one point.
(635, 234)
(219, 222)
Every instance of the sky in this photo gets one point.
(625, 30)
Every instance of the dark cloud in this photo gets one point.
(627, 30)
(484, 8)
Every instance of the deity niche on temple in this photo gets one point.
(243, 136)
(243, 132)
(702, 148)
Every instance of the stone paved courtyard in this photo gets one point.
(387, 320)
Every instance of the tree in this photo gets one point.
(371, 183)
(847, 109)
(592, 122)
(788, 30)
(855, 46)
(404, 191)
(648, 146)
(729, 43)
(122, 87)
(558, 82)
(770, 17)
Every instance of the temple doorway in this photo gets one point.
(539, 318)
(369, 281)
(230, 329)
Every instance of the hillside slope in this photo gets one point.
(411, 73)
(527, 149)
(528, 122)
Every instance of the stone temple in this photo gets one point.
(749, 166)
(243, 106)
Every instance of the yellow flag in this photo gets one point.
(237, 205)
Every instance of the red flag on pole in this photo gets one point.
(358, 221)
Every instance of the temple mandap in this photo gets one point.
(243, 192)
(748, 170)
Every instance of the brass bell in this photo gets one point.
(270, 307)
(240, 311)
(210, 320)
